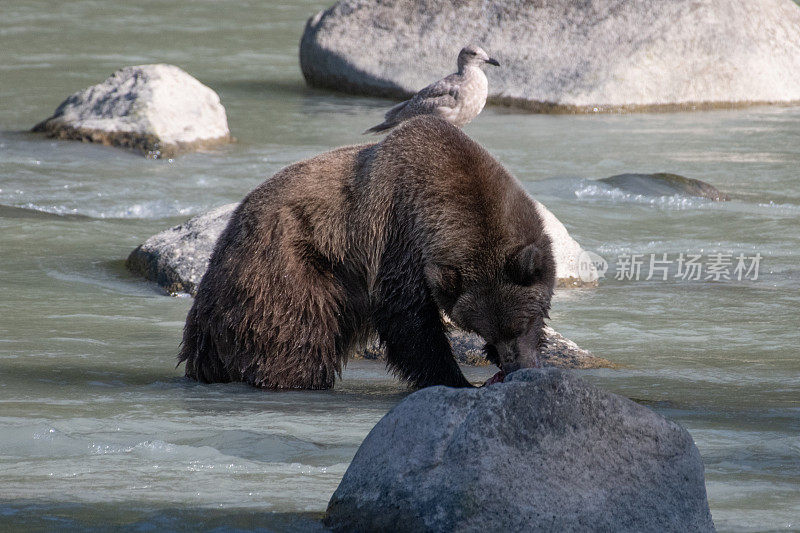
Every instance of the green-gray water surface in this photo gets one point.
(98, 430)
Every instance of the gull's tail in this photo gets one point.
(391, 119)
(383, 126)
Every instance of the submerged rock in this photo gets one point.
(159, 110)
(557, 351)
(177, 258)
(664, 184)
(543, 451)
(566, 56)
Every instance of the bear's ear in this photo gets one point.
(444, 278)
(523, 265)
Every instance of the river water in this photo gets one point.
(99, 430)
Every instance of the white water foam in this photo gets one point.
(155, 209)
(589, 191)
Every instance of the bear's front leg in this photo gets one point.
(417, 347)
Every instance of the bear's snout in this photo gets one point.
(518, 353)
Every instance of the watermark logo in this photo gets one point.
(717, 266)
(591, 267)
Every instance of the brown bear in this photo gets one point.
(374, 238)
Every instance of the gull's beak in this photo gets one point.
(493, 61)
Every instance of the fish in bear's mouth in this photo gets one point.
(497, 378)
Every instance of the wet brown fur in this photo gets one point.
(378, 237)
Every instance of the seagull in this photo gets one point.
(457, 98)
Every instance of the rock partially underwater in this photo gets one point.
(177, 258)
(556, 351)
(665, 184)
(566, 56)
(570, 270)
(543, 451)
(159, 110)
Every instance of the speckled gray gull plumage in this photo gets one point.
(457, 98)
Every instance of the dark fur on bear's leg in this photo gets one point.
(203, 367)
(418, 349)
(271, 310)
(409, 323)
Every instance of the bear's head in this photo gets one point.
(506, 306)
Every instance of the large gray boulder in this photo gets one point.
(562, 55)
(159, 110)
(177, 258)
(544, 451)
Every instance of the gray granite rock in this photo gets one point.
(566, 56)
(177, 258)
(543, 451)
(557, 351)
(664, 184)
(159, 110)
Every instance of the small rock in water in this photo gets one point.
(556, 351)
(543, 451)
(665, 184)
(177, 258)
(159, 110)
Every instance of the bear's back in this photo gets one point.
(462, 189)
(427, 176)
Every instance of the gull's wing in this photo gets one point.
(438, 98)
(433, 99)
